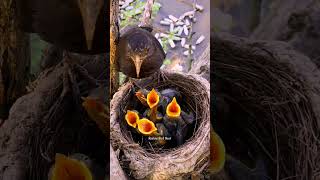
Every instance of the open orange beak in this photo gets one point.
(132, 118)
(146, 127)
(141, 98)
(153, 99)
(173, 109)
(217, 153)
(66, 168)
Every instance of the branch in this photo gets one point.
(190, 57)
(147, 14)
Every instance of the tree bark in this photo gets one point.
(14, 57)
(114, 34)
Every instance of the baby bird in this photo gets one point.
(75, 167)
(217, 153)
(147, 127)
(153, 99)
(163, 133)
(132, 117)
(188, 117)
(166, 97)
(174, 122)
(98, 112)
(141, 94)
(139, 53)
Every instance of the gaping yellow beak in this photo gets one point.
(146, 127)
(173, 109)
(153, 98)
(132, 118)
(66, 168)
(90, 10)
(217, 153)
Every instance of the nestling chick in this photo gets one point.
(139, 54)
(98, 112)
(147, 127)
(75, 167)
(163, 133)
(174, 122)
(142, 96)
(153, 99)
(188, 117)
(217, 153)
(172, 116)
(166, 97)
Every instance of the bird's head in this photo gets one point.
(146, 127)
(153, 98)
(90, 10)
(66, 168)
(217, 153)
(138, 49)
(173, 109)
(132, 118)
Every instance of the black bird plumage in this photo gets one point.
(74, 25)
(139, 53)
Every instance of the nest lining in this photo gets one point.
(172, 162)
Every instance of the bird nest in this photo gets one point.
(270, 106)
(142, 162)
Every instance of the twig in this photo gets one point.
(190, 57)
(147, 14)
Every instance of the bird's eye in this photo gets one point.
(146, 50)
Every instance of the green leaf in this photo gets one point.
(167, 62)
(132, 16)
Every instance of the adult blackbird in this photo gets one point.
(139, 54)
(74, 25)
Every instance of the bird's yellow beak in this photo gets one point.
(132, 118)
(146, 127)
(66, 168)
(153, 98)
(141, 98)
(217, 153)
(173, 109)
(90, 10)
(137, 63)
